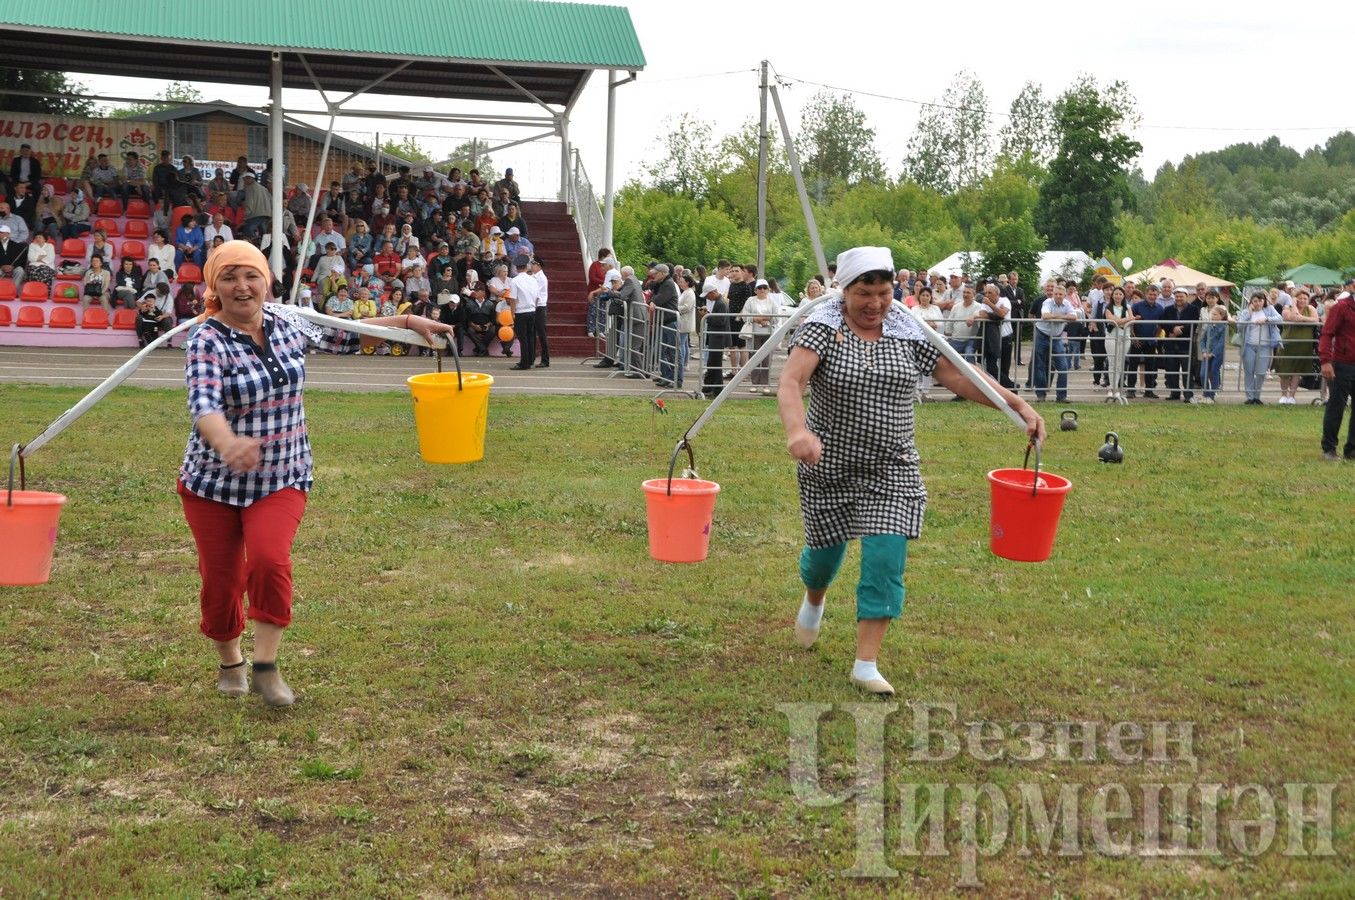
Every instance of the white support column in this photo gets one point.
(608, 201)
(275, 150)
(564, 158)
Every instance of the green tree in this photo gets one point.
(927, 161)
(1029, 131)
(1010, 245)
(836, 145)
(690, 157)
(951, 149)
(652, 224)
(465, 156)
(1088, 184)
(37, 80)
(174, 92)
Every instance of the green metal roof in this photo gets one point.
(548, 47)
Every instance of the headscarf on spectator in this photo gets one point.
(231, 253)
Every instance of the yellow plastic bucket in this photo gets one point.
(451, 419)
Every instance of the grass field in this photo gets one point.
(504, 695)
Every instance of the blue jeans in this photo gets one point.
(1255, 364)
(1211, 374)
(684, 355)
(1050, 351)
(966, 347)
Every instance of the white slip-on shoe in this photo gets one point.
(806, 637)
(874, 686)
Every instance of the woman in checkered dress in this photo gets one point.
(248, 465)
(857, 467)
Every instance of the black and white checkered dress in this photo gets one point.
(861, 407)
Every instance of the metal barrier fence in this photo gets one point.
(1117, 366)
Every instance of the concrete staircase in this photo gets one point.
(556, 238)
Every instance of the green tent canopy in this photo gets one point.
(1311, 273)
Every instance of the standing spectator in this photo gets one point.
(1095, 307)
(164, 177)
(608, 311)
(26, 169)
(1213, 342)
(478, 315)
(993, 324)
(932, 315)
(663, 301)
(759, 323)
(238, 174)
(1143, 348)
(962, 325)
(542, 296)
(522, 293)
(1019, 308)
(258, 206)
(741, 281)
(1049, 352)
(1259, 326)
(597, 271)
(686, 324)
(1178, 328)
(1336, 353)
(13, 257)
(1297, 352)
(129, 283)
(1116, 319)
(717, 330)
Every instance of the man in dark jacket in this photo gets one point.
(717, 328)
(164, 178)
(664, 301)
(1336, 353)
(26, 169)
(478, 311)
(1143, 343)
(1178, 325)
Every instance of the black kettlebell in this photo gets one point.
(1111, 451)
(1068, 420)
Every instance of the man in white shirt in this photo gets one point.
(218, 228)
(524, 288)
(534, 267)
(962, 325)
(952, 295)
(992, 315)
(1055, 314)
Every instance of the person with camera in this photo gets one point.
(154, 314)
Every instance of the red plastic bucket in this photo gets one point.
(28, 522)
(1026, 505)
(680, 518)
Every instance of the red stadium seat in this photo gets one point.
(108, 227)
(30, 317)
(189, 273)
(58, 184)
(73, 248)
(176, 216)
(133, 250)
(95, 317)
(138, 209)
(108, 206)
(6, 317)
(137, 228)
(124, 319)
(7, 290)
(34, 292)
(62, 317)
(65, 293)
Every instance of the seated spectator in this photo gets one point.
(441, 258)
(187, 187)
(155, 275)
(387, 266)
(391, 303)
(187, 304)
(400, 180)
(475, 182)
(518, 249)
(443, 278)
(499, 284)
(478, 316)
(354, 181)
(334, 206)
(502, 200)
(406, 241)
(332, 283)
(134, 179)
(24, 203)
(154, 314)
(431, 228)
(508, 184)
(404, 203)
(354, 207)
(219, 204)
(410, 257)
(389, 234)
(216, 242)
(339, 305)
(330, 262)
(161, 251)
(360, 253)
(218, 228)
(486, 220)
(326, 236)
(129, 283)
(364, 307)
(49, 214)
(237, 178)
(96, 285)
(299, 205)
(218, 184)
(416, 279)
(468, 241)
(101, 248)
(17, 226)
(13, 256)
(41, 260)
(189, 242)
(86, 180)
(492, 246)
(104, 179)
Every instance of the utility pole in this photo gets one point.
(762, 176)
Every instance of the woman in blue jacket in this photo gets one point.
(1259, 327)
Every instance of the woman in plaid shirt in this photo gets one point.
(248, 465)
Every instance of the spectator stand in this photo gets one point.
(536, 53)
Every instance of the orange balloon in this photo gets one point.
(505, 317)
(506, 334)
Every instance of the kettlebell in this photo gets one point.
(1068, 420)
(1111, 451)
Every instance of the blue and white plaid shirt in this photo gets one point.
(258, 389)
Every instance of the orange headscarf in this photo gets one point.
(231, 253)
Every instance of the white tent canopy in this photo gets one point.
(1181, 275)
(1061, 263)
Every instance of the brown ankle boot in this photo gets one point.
(269, 684)
(231, 680)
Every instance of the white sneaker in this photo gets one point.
(874, 686)
(806, 637)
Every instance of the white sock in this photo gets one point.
(810, 615)
(865, 670)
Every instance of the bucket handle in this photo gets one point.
(672, 463)
(456, 355)
(1035, 481)
(15, 453)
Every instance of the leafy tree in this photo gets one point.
(836, 145)
(927, 162)
(950, 149)
(460, 158)
(37, 80)
(1010, 245)
(407, 148)
(174, 92)
(1029, 132)
(1087, 184)
(690, 160)
(652, 224)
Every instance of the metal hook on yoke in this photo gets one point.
(15, 454)
(672, 463)
(1035, 481)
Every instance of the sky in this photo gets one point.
(1206, 74)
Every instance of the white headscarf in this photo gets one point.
(853, 263)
